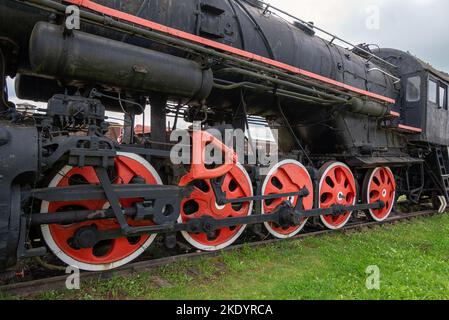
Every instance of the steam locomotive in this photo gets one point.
(358, 127)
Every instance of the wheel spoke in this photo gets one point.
(340, 177)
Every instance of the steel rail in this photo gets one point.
(34, 287)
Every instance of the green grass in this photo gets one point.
(413, 259)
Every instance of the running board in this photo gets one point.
(406, 129)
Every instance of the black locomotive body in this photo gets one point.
(375, 122)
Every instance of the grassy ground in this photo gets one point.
(413, 259)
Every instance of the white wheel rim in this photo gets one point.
(48, 238)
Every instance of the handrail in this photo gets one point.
(397, 80)
(333, 36)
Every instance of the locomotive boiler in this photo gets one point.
(356, 127)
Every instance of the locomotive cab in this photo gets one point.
(423, 104)
(436, 113)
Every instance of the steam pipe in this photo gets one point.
(278, 92)
(282, 83)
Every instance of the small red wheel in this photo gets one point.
(337, 187)
(380, 185)
(202, 202)
(286, 177)
(107, 254)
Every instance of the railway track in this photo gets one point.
(34, 287)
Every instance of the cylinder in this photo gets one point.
(85, 57)
(370, 108)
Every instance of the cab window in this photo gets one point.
(442, 99)
(413, 89)
(433, 86)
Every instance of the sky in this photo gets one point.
(417, 26)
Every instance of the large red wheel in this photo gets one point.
(337, 187)
(286, 177)
(202, 202)
(107, 254)
(380, 185)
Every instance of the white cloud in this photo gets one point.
(418, 26)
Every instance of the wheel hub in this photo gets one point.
(85, 237)
(340, 197)
(219, 207)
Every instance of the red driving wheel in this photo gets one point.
(106, 254)
(288, 176)
(202, 202)
(337, 187)
(380, 185)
